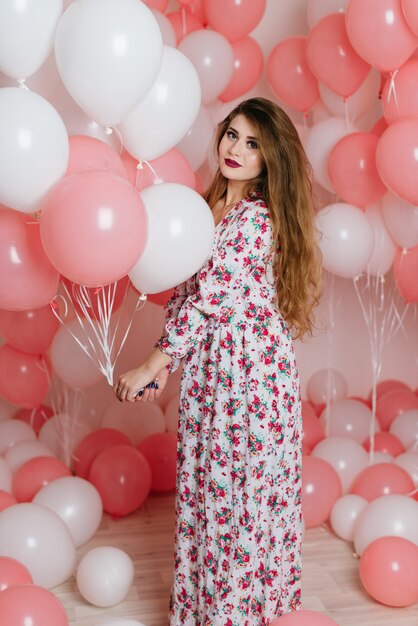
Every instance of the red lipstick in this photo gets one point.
(231, 163)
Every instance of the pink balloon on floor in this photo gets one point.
(31, 330)
(382, 479)
(393, 403)
(385, 442)
(88, 154)
(12, 572)
(387, 385)
(248, 65)
(313, 430)
(405, 271)
(35, 474)
(171, 167)
(234, 19)
(92, 445)
(303, 618)
(30, 604)
(160, 450)
(321, 488)
(24, 378)
(388, 570)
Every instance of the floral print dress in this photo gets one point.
(238, 501)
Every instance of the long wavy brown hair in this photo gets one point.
(285, 184)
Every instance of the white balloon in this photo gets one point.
(344, 514)
(384, 247)
(180, 237)
(27, 31)
(136, 420)
(62, 433)
(356, 105)
(167, 112)
(12, 432)
(213, 57)
(405, 427)
(167, 30)
(33, 148)
(77, 502)
(349, 418)
(40, 540)
(24, 451)
(409, 462)
(105, 575)
(345, 455)
(326, 385)
(197, 141)
(401, 219)
(108, 54)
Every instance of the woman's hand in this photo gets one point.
(152, 393)
(131, 382)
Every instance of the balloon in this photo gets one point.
(346, 239)
(171, 167)
(92, 445)
(62, 433)
(171, 105)
(96, 302)
(195, 144)
(179, 221)
(399, 97)
(90, 154)
(5, 476)
(326, 385)
(35, 474)
(401, 219)
(34, 24)
(290, 76)
(248, 65)
(332, 58)
(362, 100)
(350, 418)
(183, 24)
(24, 451)
(388, 569)
(387, 385)
(77, 502)
(105, 575)
(39, 539)
(352, 169)
(313, 430)
(391, 515)
(379, 33)
(303, 618)
(159, 5)
(405, 267)
(379, 127)
(409, 462)
(161, 298)
(196, 8)
(31, 330)
(213, 59)
(12, 432)
(122, 476)
(33, 148)
(30, 604)
(27, 278)
(13, 573)
(345, 455)
(234, 19)
(100, 216)
(24, 378)
(405, 427)
(393, 403)
(385, 442)
(382, 479)
(135, 420)
(118, 51)
(160, 450)
(345, 513)
(6, 500)
(321, 488)
(317, 9)
(384, 248)
(167, 31)
(410, 11)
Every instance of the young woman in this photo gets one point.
(238, 530)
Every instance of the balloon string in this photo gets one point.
(392, 89)
(156, 178)
(346, 114)
(139, 168)
(22, 84)
(183, 21)
(109, 130)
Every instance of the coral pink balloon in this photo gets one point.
(107, 298)
(160, 450)
(248, 65)
(6, 500)
(382, 479)
(321, 488)
(313, 430)
(388, 570)
(234, 18)
(158, 5)
(333, 59)
(379, 32)
(102, 218)
(29, 331)
(385, 442)
(30, 604)
(122, 476)
(379, 127)
(183, 24)
(345, 455)
(397, 158)
(160, 298)
(405, 271)
(196, 8)
(35, 474)
(24, 378)
(12, 572)
(393, 403)
(352, 169)
(388, 385)
(410, 11)
(290, 76)
(400, 96)
(171, 167)
(92, 445)
(90, 154)
(303, 618)
(27, 278)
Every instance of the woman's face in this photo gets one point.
(239, 153)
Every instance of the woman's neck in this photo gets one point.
(234, 192)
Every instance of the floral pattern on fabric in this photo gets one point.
(238, 506)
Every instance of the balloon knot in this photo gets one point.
(108, 130)
(140, 165)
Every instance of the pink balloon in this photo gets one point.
(303, 618)
(27, 278)
(6, 500)
(29, 331)
(405, 271)
(400, 95)
(160, 450)
(35, 474)
(313, 430)
(161, 298)
(387, 385)
(171, 167)
(321, 488)
(385, 442)
(393, 403)
(35, 417)
(382, 479)
(248, 65)
(158, 5)
(234, 19)
(29, 604)
(379, 32)
(290, 76)
(93, 227)
(122, 476)
(352, 169)
(397, 160)
(24, 378)
(388, 570)
(107, 297)
(12, 572)
(195, 8)
(410, 11)
(333, 59)
(90, 154)
(183, 24)
(92, 445)
(379, 127)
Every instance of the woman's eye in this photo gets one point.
(231, 134)
(252, 145)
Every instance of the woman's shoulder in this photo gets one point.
(255, 207)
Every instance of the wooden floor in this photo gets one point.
(330, 574)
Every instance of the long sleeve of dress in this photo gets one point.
(238, 259)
